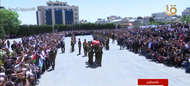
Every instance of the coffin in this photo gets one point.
(95, 43)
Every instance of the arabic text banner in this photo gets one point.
(149, 82)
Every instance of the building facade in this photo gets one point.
(57, 13)
(145, 20)
(101, 21)
(162, 17)
(186, 11)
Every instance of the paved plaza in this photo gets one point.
(119, 68)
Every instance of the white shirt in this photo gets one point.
(33, 45)
(16, 67)
(48, 51)
(63, 37)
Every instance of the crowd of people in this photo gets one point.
(34, 55)
(30, 57)
(169, 45)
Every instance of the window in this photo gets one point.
(69, 16)
(76, 14)
(55, 4)
(39, 9)
(48, 17)
(75, 9)
(76, 18)
(58, 17)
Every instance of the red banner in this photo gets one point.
(163, 82)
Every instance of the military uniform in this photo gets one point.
(90, 56)
(72, 45)
(85, 47)
(98, 55)
(52, 55)
(107, 44)
(79, 45)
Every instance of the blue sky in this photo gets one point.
(92, 9)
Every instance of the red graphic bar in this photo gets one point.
(163, 82)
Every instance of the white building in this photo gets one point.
(162, 17)
(57, 13)
(186, 11)
(101, 21)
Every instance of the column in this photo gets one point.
(53, 17)
(63, 16)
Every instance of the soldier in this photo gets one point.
(100, 58)
(52, 55)
(99, 52)
(85, 47)
(79, 45)
(113, 37)
(72, 45)
(90, 56)
(107, 44)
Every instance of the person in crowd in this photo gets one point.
(62, 46)
(163, 44)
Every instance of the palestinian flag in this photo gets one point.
(96, 43)
(34, 58)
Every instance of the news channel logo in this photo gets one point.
(172, 11)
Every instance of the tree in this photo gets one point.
(10, 18)
(56, 27)
(2, 32)
(139, 17)
(151, 19)
(186, 18)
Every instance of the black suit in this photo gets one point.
(37, 59)
(62, 46)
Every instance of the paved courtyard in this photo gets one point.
(119, 68)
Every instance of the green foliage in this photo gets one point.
(186, 18)
(9, 19)
(26, 30)
(119, 26)
(139, 17)
(151, 19)
(1, 53)
(2, 32)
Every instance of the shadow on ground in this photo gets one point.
(94, 66)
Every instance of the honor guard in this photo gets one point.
(107, 43)
(52, 55)
(95, 45)
(85, 47)
(72, 45)
(79, 45)
(90, 55)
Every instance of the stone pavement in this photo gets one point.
(119, 68)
